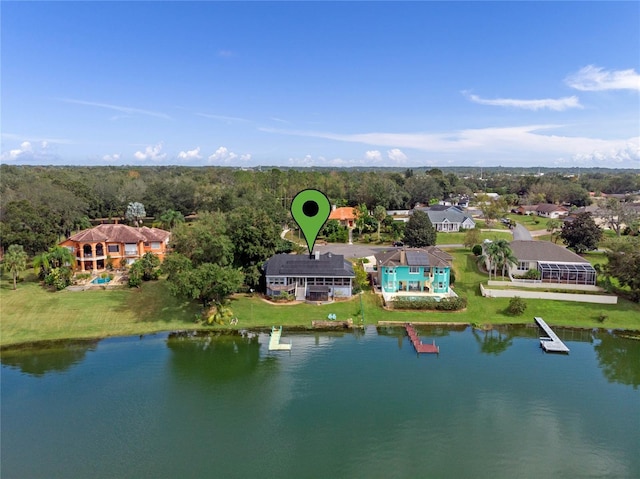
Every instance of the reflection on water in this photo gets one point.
(57, 356)
(492, 404)
(619, 358)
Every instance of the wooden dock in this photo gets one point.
(419, 346)
(551, 343)
(274, 340)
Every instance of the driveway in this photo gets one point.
(521, 233)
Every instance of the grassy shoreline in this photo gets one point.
(32, 314)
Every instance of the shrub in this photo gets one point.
(445, 304)
(532, 274)
(477, 250)
(516, 306)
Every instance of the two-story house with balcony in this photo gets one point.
(95, 248)
(414, 271)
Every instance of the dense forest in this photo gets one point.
(39, 204)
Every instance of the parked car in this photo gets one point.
(398, 243)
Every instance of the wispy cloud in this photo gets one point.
(222, 117)
(513, 143)
(36, 139)
(151, 153)
(559, 104)
(122, 109)
(190, 154)
(594, 78)
(225, 53)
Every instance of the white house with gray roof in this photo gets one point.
(555, 263)
(448, 219)
(320, 277)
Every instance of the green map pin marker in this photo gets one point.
(310, 209)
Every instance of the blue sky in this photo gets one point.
(321, 84)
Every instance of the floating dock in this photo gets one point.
(418, 344)
(274, 340)
(551, 343)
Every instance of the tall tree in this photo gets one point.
(582, 234)
(553, 227)
(205, 240)
(379, 213)
(419, 230)
(15, 261)
(135, 213)
(623, 257)
(255, 239)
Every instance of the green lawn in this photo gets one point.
(32, 313)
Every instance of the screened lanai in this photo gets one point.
(567, 273)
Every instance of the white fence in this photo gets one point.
(581, 298)
(533, 284)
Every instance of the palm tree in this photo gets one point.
(504, 255)
(490, 257)
(170, 218)
(379, 213)
(56, 257)
(553, 227)
(15, 260)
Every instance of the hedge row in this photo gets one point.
(445, 304)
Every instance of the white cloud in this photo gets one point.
(223, 156)
(373, 155)
(594, 78)
(123, 109)
(110, 158)
(190, 154)
(559, 104)
(628, 154)
(31, 152)
(151, 153)
(396, 155)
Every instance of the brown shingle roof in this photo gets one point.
(118, 234)
(543, 251)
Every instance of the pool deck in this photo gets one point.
(419, 346)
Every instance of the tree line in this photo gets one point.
(41, 204)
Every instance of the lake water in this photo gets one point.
(353, 405)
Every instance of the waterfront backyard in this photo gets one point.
(32, 313)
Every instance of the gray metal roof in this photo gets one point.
(543, 251)
(328, 265)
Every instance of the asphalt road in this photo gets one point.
(521, 233)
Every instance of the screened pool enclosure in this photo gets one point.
(567, 273)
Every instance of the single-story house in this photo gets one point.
(95, 248)
(319, 278)
(555, 263)
(416, 270)
(448, 218)
(345, 215)
(548, 210)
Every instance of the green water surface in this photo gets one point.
(352, 405)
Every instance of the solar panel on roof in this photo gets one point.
(417, 258)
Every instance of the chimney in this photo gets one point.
(403, 256)
(333, 207)
(317, 255)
